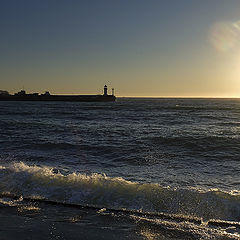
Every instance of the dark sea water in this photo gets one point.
(132, 169)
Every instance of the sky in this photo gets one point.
(157, 48)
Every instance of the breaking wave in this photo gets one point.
(109, 192)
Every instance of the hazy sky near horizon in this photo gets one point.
(139, 47)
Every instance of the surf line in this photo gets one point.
(161, 215)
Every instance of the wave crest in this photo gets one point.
(115, 192)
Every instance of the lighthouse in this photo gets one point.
(105, 91)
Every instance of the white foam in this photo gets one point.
(107, 192)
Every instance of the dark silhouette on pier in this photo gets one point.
(23, 96)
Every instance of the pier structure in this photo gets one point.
(23, 96)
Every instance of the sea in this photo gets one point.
(137, 168)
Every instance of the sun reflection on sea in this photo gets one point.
(148, 234)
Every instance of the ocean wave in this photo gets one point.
(200, 143)
(108, 192)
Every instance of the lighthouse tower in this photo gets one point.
(105, 91)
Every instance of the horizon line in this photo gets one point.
(150, 96)
(197, 97)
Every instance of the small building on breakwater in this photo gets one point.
(23, 96)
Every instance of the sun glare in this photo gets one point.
(225, 35)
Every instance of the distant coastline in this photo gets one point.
(23, 96)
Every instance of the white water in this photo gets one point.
(103, 191)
